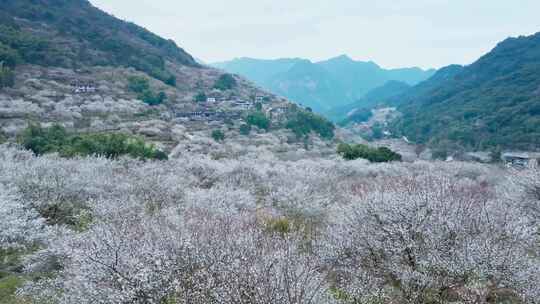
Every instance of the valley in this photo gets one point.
(131, 172)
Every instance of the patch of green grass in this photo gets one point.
(8, 287)
(281, 225)
(9, 259)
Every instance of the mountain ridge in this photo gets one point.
(352, 78)
(71, 33)
(494, 103)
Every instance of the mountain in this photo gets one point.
(308, 84)
(493, 103)
(67, 62)
(425, 87)
(361, 77)
(321, 85)
(379, 96)
(257, 70)
(74, 33)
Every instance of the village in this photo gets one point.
(215, 107)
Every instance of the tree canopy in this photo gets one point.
(57, 139)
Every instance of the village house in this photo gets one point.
(206, 115)
(243, 104)
(277, 112)
(520, 159)
(81, 87)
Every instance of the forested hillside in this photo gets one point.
(491, 104)
(380, 96)
(73, 33)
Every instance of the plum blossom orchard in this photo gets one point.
(263, 230)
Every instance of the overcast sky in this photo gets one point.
(398, 33)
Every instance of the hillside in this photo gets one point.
(361, 77)
(425, 87)
(323, 85)
(379, 96)
(493, 103)
(74, 33)
(69, 63)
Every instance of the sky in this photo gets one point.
(398, 33)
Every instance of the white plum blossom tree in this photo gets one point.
(258, 229)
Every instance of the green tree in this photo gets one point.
(245, 129)
(225, 82)
(218, 135)
(171, 81)
(56, 139)
(141, 86)
(259, 120)
(138, 84)
(376, 155)
(200, 97)
(303, 122)
(8, 56)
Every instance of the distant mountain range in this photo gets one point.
(321, 85)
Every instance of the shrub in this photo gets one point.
(200, 97)
(138, 84)
(218, 135)
(7, 77)
(376, 155)
(259, 120)
(303, 122)
(8, 56)
(141, 86)
(56, 139)
(225, 82)
(171, 81)
(152, 99)
(281, 226)
(245, 129)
